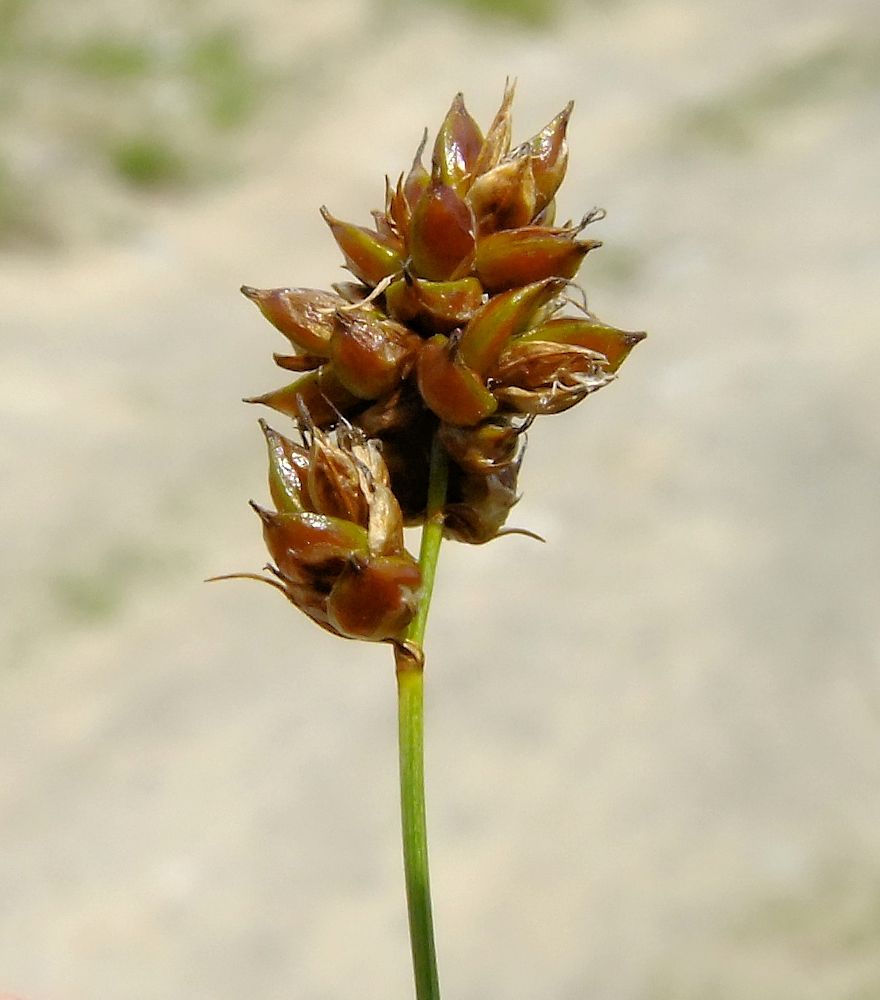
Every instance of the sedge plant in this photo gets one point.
(415, 384)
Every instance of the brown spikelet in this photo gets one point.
(463, 322)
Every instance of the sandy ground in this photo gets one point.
(653, 742)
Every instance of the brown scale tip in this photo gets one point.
(417, 159)
(264, 514)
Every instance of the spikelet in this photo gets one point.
(463, 320)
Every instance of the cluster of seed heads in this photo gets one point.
(463, 325)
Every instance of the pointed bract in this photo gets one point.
(501, 318)
(418, 177)
(614, 344)
(321, 392)
(303, 315)
(457, 148)
(288, 465)
(520, 256)
(497, 142)
(370, 256)
(549, 156)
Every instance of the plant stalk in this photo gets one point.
(409, 662)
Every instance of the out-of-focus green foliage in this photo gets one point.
(111, 58)
(148, 161)
(736, 120)
(107, 110)
(99, 590)
(531, 12)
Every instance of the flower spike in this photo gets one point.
(461, 326)
(417, 383)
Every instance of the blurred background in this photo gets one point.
(653, 742)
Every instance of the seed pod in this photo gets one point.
(480, 505)
(457, 147)
(520, 256)
(371, 356)
(501, 318)
(369, 255)
(449, 388)
(434, 306)
(614, 344)
(288, 467)
(375, 598)
(321, 392)
(337, 542)
(549, 156)
(440, 240)
(303, 315)
(308, 546)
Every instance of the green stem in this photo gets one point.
(409, 662)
